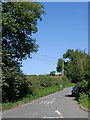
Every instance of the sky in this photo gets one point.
(65, 26)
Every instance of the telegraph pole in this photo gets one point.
(62, 67)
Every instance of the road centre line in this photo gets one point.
(42, 102)
(47, 102)
(53, 100)
(59, 114)
(32, 102)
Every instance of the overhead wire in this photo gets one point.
(44, 58)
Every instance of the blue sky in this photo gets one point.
(65, 26)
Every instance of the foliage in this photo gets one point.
(36, 83)
(59, 65)
(74, 65)
(39, 90)
(19, 22)
(48, 90)
(77, 69)
(87, 70)
(52, 73)
(29, 97)
(84, 100)
(82, 96)
(39, 82)
(82, 88)
(13, 80)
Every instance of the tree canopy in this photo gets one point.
(75, 65)
(52, 73)
(19, 23)
(59, 65)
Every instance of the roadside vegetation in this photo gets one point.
(83, 95)
(39, 86)
(84, 100)
(77, 69)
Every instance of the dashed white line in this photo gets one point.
(42, 102)
(45, 102)
(48, 102)
(53, 100)
(59, 113)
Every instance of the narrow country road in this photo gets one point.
(56, 105)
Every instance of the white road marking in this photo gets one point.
(53, 100)
(32, 102)
(34, 114)
(45, 102)
(48, 102)
(59, 113)
(50, 117)
(42, 102)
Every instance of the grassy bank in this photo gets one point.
(84, 100)
(39, 86)
(29, 97)
(86, 104)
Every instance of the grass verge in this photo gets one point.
(84, 100)
(86, 104)
(40, 93)
(69, 85)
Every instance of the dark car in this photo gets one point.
(74, 89)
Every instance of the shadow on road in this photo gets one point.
(71, 96)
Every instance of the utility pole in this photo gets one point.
(62, 67)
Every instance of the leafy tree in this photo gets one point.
(77, 69)
(74, 65)
(47, 74)
(52, 73)
(87, 70)
(19, 21)
(59, 65)
(14, 85)
(82, 88)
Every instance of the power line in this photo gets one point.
(46, 56)
(44, 59)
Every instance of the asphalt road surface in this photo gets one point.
(56, 105)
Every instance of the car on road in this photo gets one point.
(74, 91)
(75, 88)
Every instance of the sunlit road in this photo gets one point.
(56, 105)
